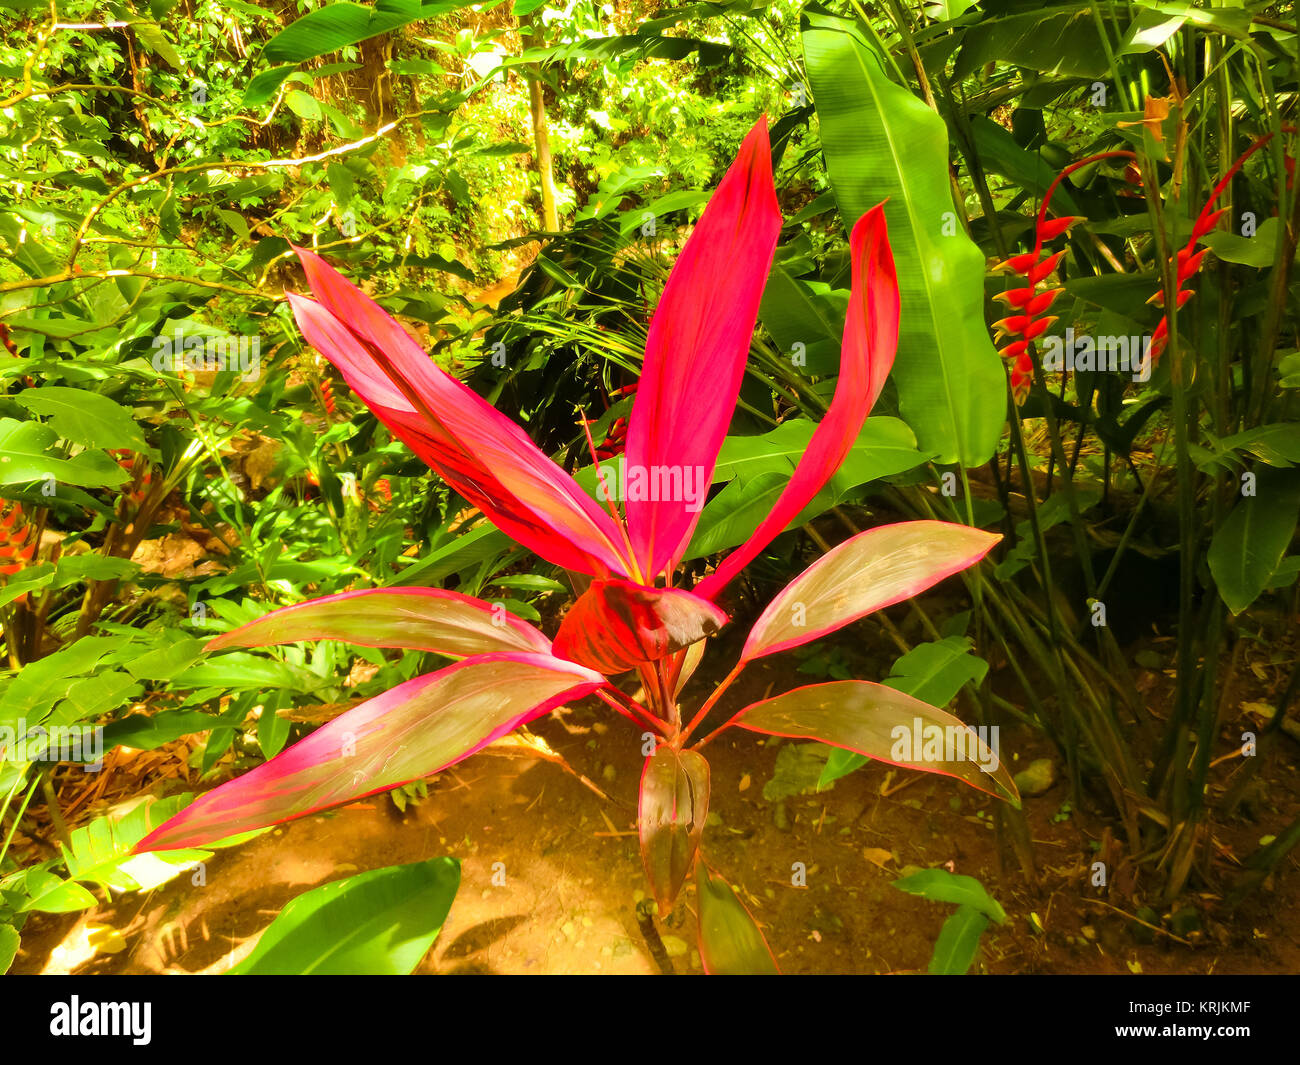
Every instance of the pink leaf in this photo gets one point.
(867, 572)
(696, 350)
(867, 354)
(616, 625)
(481, 453)
(881, 722)
(422, 619)
(409, 732)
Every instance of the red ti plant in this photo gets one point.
(631, 618)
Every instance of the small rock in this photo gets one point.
(1036, 777)
(1089, 933)
(713, 820)
(609, 772)
(676, 948)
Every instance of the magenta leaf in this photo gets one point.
(872, 570)
(883, 723)
(409, 732)
(731, 943)
(670, 820)
(866, 356)
(695, 355)
(421, 619)
(477, 450)
(616, 625)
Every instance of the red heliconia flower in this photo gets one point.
(631, 616)
(1187, 259)
(17, 541)
(1158, 297)
(1016, 298)
(1054, 227)
(1036, 274)
(1032, 304)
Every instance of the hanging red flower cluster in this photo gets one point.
(1188, 259)
(1028, 323)
(17, 542)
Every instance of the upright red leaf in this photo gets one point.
(409, 732)
(696, 350)
(616, 625)
(867, 354)
(481, 453)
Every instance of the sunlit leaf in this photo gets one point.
(867, 572)
(886, 725)
(379, 923)
(731, 943)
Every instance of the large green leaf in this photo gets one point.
(999, 153)
(761, 466)
(796, 311)
(84, 417)
(882, 143)
(29, 452)
(1055, 40)
(731, 943)
(339, 24)
(379, 923)
(49, 894)
(1246, 550)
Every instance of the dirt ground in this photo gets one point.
(552, 877)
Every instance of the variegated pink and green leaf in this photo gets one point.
(409, 732)
(867, 572)
(887, 725)
(420, 619)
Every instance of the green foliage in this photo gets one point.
(379, 923)
(958, 942)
